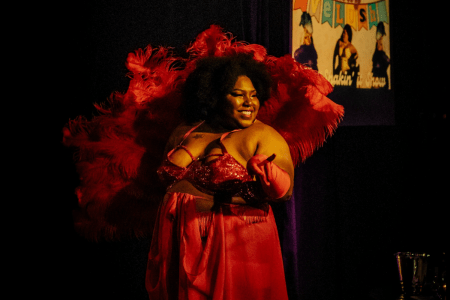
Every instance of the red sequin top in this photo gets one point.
(223, 173)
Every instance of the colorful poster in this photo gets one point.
(347, 41)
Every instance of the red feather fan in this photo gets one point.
(118, 152)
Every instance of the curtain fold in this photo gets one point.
(268, 23)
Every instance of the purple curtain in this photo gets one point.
(307, 228)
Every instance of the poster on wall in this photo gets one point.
(348, 42)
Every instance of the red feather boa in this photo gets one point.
(119, 151)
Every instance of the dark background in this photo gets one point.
(369, 192)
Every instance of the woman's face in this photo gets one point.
(241, 105)
(380, 44)
(345, 36)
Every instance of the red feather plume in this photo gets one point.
(118, 151)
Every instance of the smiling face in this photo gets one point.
(241, 105)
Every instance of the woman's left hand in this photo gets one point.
(274, 180)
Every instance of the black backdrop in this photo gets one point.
(369, 192)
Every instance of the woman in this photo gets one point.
(346, 55)
(306, 54)
(215, 236)
(380, 60)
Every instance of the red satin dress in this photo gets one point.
(231, 252)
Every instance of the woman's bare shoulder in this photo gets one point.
(181, 129)
(261, 129)
(267, 137)
(177, 134)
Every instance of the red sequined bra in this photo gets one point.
(223, 174)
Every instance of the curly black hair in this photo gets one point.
(347, 28)
(206, 87)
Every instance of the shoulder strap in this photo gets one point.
(180, 145)
(189, 132)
